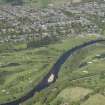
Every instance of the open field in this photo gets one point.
(21, 70)
(95, 100)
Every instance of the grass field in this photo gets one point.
(21, 70)
(95, 100)
(72, 94)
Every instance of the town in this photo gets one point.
(28, 24)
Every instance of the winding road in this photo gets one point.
(53, 73)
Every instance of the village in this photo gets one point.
(27, 24)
